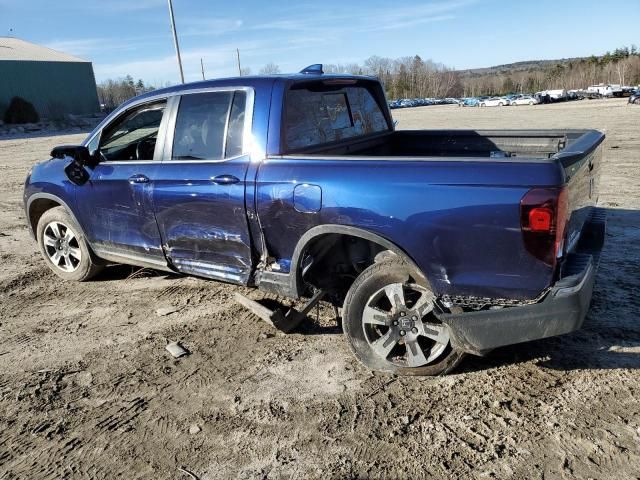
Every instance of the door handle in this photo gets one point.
(225, 179)
(138, 178)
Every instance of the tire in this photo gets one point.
(500, 104)
(64, 247)
(482, 105)
(530, 103)
(394, 340)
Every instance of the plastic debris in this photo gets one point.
(176, 350)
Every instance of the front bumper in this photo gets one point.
(562, 310)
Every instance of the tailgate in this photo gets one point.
(581, 160)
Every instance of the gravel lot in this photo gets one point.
(88, 391)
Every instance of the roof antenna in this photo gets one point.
(316, 68)
(10, 33)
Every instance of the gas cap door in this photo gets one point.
(307, 198)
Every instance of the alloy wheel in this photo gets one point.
(400, 327)
(62, 247)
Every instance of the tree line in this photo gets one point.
(112, 93)
(414, 77)
(622, 67)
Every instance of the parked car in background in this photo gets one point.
(602, 89)
(559, 95)
(525, 100)
(635, 97)
(435, 243)
(495, 102)
(469, 102)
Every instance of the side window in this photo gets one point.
(94, 144)
(203, 121)
(200, 126)
(236, 125)
(134, 136)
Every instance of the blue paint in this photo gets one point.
(457, 219)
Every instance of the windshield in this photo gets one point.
(317, 113)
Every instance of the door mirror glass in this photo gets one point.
(76, 173)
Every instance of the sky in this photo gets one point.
(134, 37)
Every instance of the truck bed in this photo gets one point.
(510, 145)
(445, 196)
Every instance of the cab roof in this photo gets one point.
(256, 81)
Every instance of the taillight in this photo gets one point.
(543, 218)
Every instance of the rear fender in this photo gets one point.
(297, 284)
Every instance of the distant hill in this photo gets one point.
(510, 68)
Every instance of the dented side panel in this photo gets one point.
(459, 221)
(118, 215)
(204, 224)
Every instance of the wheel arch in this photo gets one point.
(314, 234)
(39, 203)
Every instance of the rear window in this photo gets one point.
(316, 114)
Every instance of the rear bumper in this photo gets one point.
(562, 310)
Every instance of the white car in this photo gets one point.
(525, 100)
(494, 102)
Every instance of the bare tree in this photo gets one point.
(112, 93)
(269, 69)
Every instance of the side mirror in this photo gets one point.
(79, 153)
(75, 171)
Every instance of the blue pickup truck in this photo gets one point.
(434, 243)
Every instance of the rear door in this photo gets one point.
(199, 191)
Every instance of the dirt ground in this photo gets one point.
(87, 389)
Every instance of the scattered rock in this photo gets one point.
(193, 429)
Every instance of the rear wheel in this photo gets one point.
(390, 323)
(63, 246)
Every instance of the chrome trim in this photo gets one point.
(246, 133)
(129, 162)
(171, 98)
(117, 256)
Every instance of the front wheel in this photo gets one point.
(390, 323)
(63, 246)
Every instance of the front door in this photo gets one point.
(116, 204)
(199, 191)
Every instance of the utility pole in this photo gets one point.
(239, 69)
(175, 40)
(202, 67)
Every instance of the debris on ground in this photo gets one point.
(164, 311)
(176, 350)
